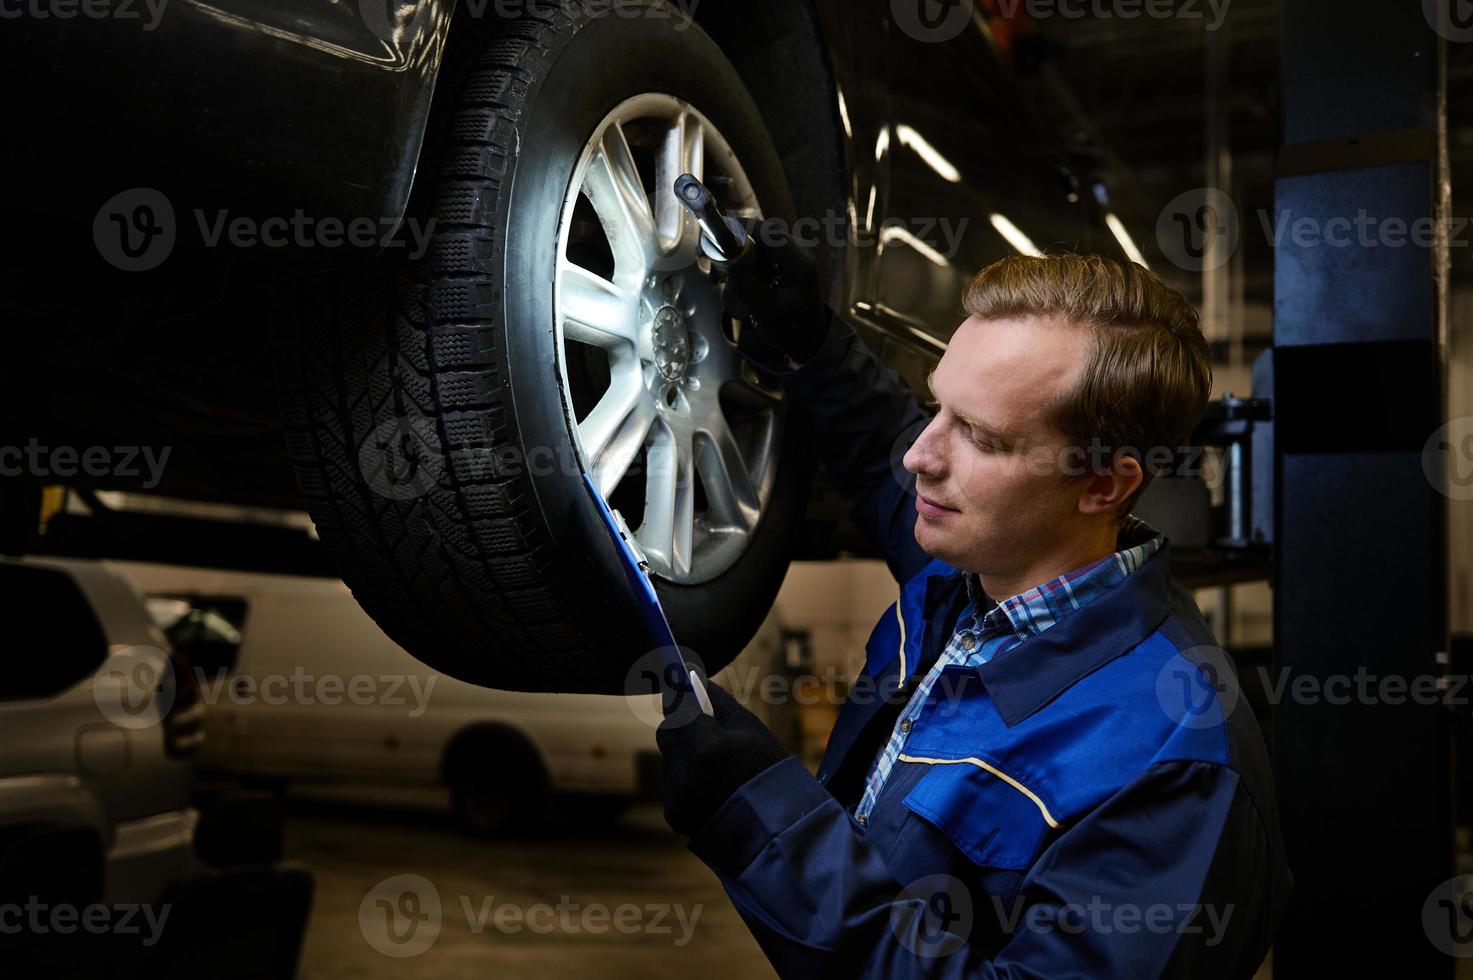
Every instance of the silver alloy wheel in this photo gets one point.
(680, 411)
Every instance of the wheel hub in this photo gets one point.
(672, 344)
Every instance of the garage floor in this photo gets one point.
(558, 901)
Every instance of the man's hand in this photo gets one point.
(707, 759)
(776, 289)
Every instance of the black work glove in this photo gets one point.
(707, 759)
(776, 289)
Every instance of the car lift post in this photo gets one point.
(1360, 582)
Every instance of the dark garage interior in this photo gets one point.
(506, 487)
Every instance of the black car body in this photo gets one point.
(909, 145)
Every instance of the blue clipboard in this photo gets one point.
(638, 574)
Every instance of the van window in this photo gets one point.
(205, 630)
(52, 638)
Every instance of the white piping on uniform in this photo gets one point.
(1048, 817)
(900, 618)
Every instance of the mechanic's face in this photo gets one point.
(992, 495)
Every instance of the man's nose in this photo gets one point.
(924, 458)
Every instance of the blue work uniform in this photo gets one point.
(1090, 800)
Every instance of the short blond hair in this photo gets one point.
(1149, 373)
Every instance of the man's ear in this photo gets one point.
(1105, 491)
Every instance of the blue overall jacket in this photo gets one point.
(1094, 801)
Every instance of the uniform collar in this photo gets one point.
(1027, 676)
(1034, 610)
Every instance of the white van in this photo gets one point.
(301, 686)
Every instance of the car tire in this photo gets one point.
(420, 393)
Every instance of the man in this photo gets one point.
(1041, 771)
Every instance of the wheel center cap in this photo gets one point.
(672, 344)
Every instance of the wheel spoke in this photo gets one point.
(595, 311)
(729, 490)
(668, 532)
(614, 432)
(683, 152)
(617, 194)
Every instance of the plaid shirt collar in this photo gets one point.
(1030, 613)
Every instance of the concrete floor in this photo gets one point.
(557, 899)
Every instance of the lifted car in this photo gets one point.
(539, 309)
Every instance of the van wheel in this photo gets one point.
(442, 411)
(498, 786)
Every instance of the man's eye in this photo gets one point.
(980, 441)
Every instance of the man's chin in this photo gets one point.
(932, 541)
